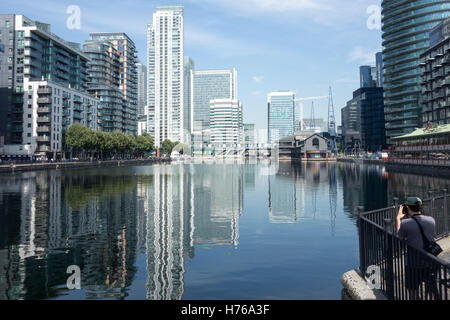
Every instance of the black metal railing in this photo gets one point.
(389, 264)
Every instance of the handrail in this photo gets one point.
(380, 247)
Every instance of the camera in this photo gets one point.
(405, 209)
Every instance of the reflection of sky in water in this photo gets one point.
(190, 231)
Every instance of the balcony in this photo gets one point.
(43, 110)
(43, 129)
(77, 116)
(43, 139)
(44, 100)
(43, 148)
(79, 108)
(44, 91)
(43, 119)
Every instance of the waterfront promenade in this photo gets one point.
(12, 167)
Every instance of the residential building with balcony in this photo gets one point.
(128, 81)
(435, 74)
(49, 110)
(405, 33)
(165, 65)
(104, 83)
(33, 52)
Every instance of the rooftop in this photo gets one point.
(425, 132)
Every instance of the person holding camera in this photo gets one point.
(411, 225)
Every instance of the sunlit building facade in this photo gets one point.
(405, 27)
(281, 115)
(166, 74)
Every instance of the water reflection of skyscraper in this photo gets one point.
(188, 210)
(101, 220)
(293, 192)
(53, 235)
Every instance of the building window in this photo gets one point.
(315, 142)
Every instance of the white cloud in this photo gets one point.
(362, 55)
(258, 79)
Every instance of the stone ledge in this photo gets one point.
(356, 287)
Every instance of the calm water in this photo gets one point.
(190, 231)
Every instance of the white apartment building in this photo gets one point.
(227, 128)
(166, 75)
(49, 109)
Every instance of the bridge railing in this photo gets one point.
(388, 263)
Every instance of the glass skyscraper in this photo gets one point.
(280, 115)
(405, 37)
(208, 85)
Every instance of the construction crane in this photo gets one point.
(312, 124)
(301, 107)
(331, 123)
(331, 117)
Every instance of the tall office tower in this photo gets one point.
(208, 85)
(280, 115)
(374, 75)
(188, 70)
(226, 122)
(365, 77)
(142, 87)
(43, 82)
(128, 76)
(166, 74)
(351, 124)
(405, 27)
(379, 68)
(104, 83)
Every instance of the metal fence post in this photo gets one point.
(362, 260)
(445, 213)
(395, 210)
(389, 259)
(430, 196)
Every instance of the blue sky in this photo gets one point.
(301, 45)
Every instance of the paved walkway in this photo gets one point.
(445, 245)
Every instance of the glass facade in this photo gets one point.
(104, 81)
(281, 115)
(188, 69)
(405, 37)
(128, 82)
(208, 85)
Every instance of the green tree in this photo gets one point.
(74, 136)
(144, 143)
(79, 138)
(167, 146)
